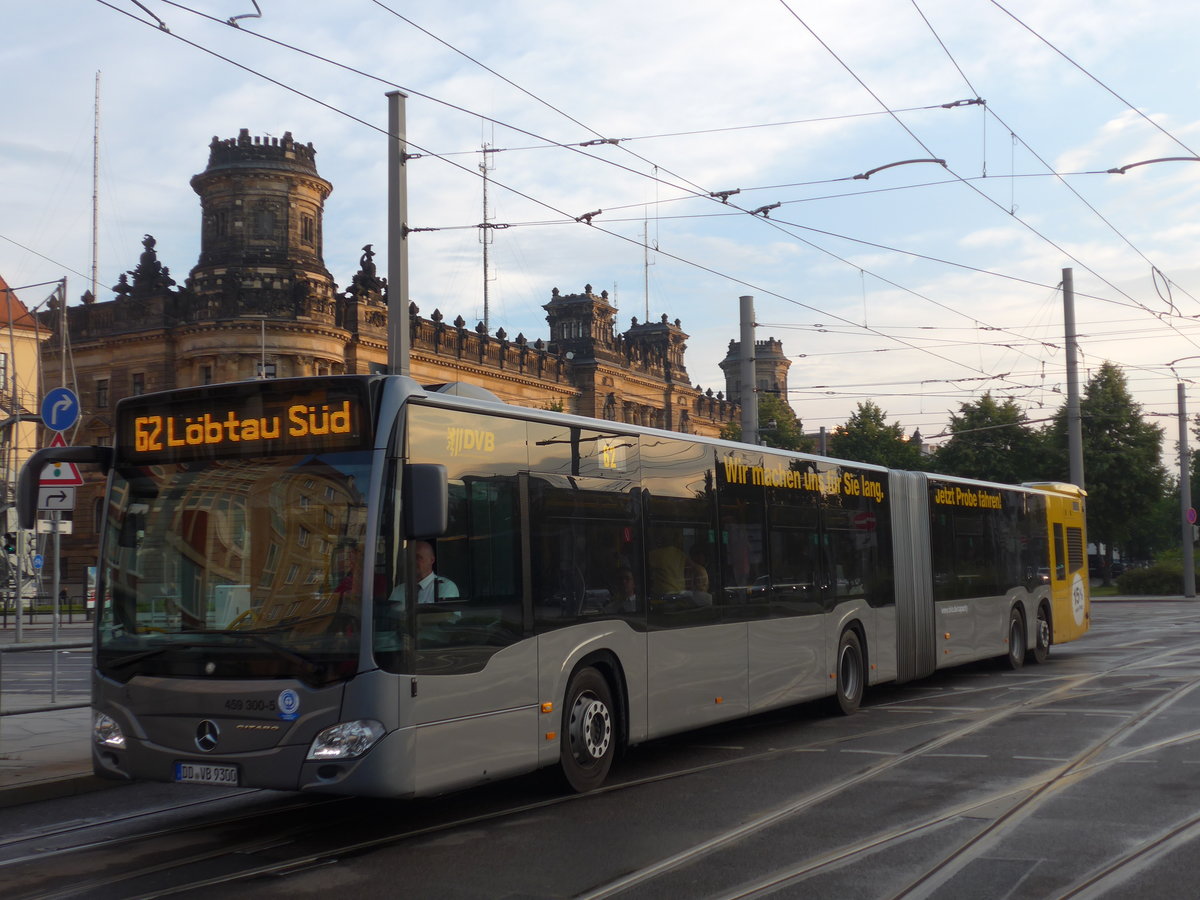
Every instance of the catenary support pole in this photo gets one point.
(1185, 499)
(397, 267)
(748, 395)
(1074, 423)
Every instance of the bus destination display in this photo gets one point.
(265, 422)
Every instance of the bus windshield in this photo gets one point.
(244, 567)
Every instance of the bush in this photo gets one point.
(1162, 578)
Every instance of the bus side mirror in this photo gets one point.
(426, 500)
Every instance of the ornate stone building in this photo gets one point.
(260, 303)
(770, 369)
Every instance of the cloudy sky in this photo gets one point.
(919, 287)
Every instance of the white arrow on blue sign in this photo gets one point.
(60, 409)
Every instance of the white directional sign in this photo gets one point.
(56, 497)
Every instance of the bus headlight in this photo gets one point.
(346, 740)
(107, 733)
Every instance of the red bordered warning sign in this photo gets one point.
(60, 474)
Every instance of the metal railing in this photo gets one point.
(52, 647)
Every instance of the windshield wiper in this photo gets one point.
(305, 663)
(131, 658)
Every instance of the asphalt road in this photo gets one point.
(1076, 778)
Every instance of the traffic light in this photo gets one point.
(10, 542)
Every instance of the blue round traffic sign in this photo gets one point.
(60, 409)
(39, 561)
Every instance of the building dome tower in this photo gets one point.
(770, 369)
(261, 261)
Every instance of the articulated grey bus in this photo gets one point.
(361, 585)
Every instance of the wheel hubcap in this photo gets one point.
(591, 728)
(849, 672)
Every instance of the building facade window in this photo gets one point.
(101, 393)
(266, 370)
(138, 385)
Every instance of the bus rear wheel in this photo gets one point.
(851, 673)
(588, 737)
(1016, 639)
(1041, 646)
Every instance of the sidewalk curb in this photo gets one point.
(1145, 598)
(53, 789)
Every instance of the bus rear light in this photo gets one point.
(107, 733)
(346, 740)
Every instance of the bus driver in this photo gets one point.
(431, 587)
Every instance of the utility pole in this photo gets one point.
(1074, 422)
(398, 328)
(749, 397)
(1186, 514)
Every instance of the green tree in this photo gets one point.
(1122, 469)
(778, 426)
(866, 437)
(1159, 531)
(991, 441)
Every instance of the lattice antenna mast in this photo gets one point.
(646, 263)
(95, 191)
(486, 165)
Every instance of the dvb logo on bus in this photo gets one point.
(469, 440)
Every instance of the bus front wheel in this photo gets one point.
(588, 737)
(851, 672)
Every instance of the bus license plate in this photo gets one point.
(203, 773)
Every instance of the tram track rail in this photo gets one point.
(292, 837)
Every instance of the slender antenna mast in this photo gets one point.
(646, 264)
(485, 230)
(95, 191)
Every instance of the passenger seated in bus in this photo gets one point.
(695, 575)
(625, 596)
(668, 564)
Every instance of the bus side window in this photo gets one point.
(1060, 553)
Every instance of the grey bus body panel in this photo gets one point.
(788, 661)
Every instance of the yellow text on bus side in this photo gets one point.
(159, 432)
(972, 498)
(828, 483)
